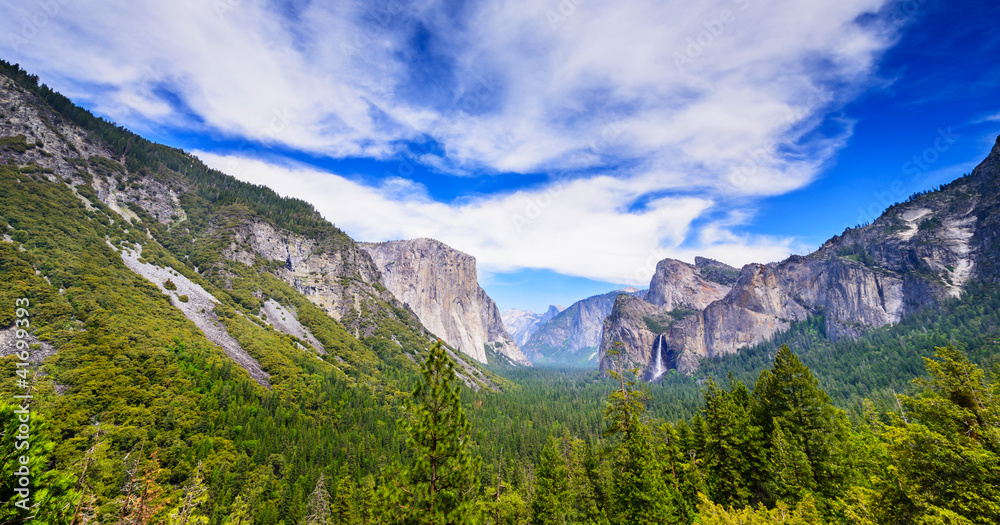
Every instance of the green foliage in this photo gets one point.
(799, 418)
(141, 419)
(733, 449)
(639, 493)
(720, 274)
(17, 144)
(661, 324)
(943, 451)
(804, 513)
(51, 493)
(444, 473)
(930, 223)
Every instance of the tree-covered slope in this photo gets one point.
(137, 262)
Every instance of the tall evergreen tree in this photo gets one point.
(551, 504)
(443, 481)
(639, 493)
(789, 395)
(344, 504)
(789, 472)
(734, 451)
(583, 507)
(945, 466)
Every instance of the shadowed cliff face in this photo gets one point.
(440, 285)
(573, 336)
(912, 256)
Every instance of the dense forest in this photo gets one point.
(137, 418)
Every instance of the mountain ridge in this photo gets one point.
(915, 254)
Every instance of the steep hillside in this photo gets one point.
(440, 284)
(914, 255)
(521, 324)
(574, 335)
(243, 244)
(183, 320)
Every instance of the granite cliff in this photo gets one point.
(676, 291)
(242, 261)
(915, 254)
(440, 285)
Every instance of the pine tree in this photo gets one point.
(366, 500)
(318, 506)
(789, 394)
(583, 506)
(789, 473)
(344, 503)
(945, 462)
(443, 479)
(640, 494)
(734, 450)
(552, 497)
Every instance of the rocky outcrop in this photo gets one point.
(914, 255)
(335, 280)
(521, 324)
(286, 321)
(440, 285)
(627, 331)
(679, 285)
(574, 335)
(214, 224)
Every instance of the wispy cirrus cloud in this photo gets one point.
(659, 122)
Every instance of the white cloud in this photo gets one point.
(578, 228)
(707, 104)
(987, 118)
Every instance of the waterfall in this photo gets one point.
(658, 368)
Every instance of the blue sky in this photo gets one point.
(569, 145)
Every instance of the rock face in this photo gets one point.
(440, 285)
(521, 324)
(334, 280)
(198, 306)
(679, 285)
(574, 335)
(914, 255)
(210, 222)
(677, 291)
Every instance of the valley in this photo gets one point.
(208, 351)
